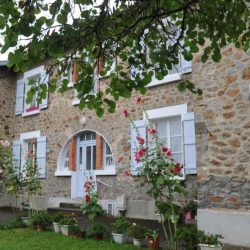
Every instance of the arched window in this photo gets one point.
(86, 151)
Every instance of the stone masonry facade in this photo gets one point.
(222, 131)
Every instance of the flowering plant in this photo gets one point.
(90, 205)
(160, 174)
(137, 231)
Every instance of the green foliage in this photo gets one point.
(75, 230)
(41, 218)
(209, 239)
(98, 229)
(136, 34)
(137, 231)
(152, 234)
(120, 225)
(58, 217)
(191, 206)
(67, 221)
(18, 223)
(187, 236)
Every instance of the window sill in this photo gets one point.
(35, 112)
(110, 171)
(167, 79)
(65, 172)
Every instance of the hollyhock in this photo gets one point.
(87, 198)
(176, 169)
(166, 151)
(125, 112)
(140, 140)
(141, 152)
(152, 131)
(126, 172)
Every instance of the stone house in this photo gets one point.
(209, 134)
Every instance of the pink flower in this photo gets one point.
(125, 112)
(140, 140)
(152, 131)
(139, 100)
(176, 169)
(137, 157)
(87, 198)
(120, 159)
(141, 152)
(166, 151)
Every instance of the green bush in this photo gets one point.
(58, 217)
(68, 221)
(41, 218)
(209, 239)
(98, 229)
(75, 230)
(137, 231)
(120, 225)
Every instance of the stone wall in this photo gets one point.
(222, 132)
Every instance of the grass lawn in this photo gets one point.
(28, 239)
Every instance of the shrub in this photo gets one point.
(120, 225)
(137, 231)
(58, 217)
(41, 218)
(209, 239)
(98, 229)
(75, 230)
(68, 221)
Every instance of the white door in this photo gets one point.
(86, 163)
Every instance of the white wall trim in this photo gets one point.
(110, 171)
(29, 135)
(168, 78)
(166, 111)
(64, 172)
(33, 72)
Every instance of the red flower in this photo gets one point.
(141, 152)
(140, 140)
(125, 112)
(152, 131)
(176, 169)
(87, 198)
(120, 159)
(139, 100)
(166, 151)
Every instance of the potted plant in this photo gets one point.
(75, 231)
(65, 223)
(120, 227)
(97, 231)
(209, 241)
(153, 239)
(40, 220)
(137, 232)
(187, 237)
(56, 222)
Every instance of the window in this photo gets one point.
(177, 70)
(86, 151)
(30, 146)
(110, 208)
(32, 79)
(175, 126)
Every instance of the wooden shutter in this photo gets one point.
(72, 153)
(44, 80)
(189, 143)
(99, 152)
(137, 128)
(19, 97)
(16, 159)
(75, 73)
(41, 156)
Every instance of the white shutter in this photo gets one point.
(19, 97)
(44, 80)
(186, 66)
(137, 128)
(16, 160)
(41, 156)
(189, 143)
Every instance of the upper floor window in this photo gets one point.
(29, 84)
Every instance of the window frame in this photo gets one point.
(27, 76)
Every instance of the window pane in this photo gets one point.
(108, 151)
(178, 157)
(161, 127)
(80, 155)
(109, 161)
(94, 157)
(176, 143)
(88, 158)
(88, 136)
(175, 126)
(93, 136)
